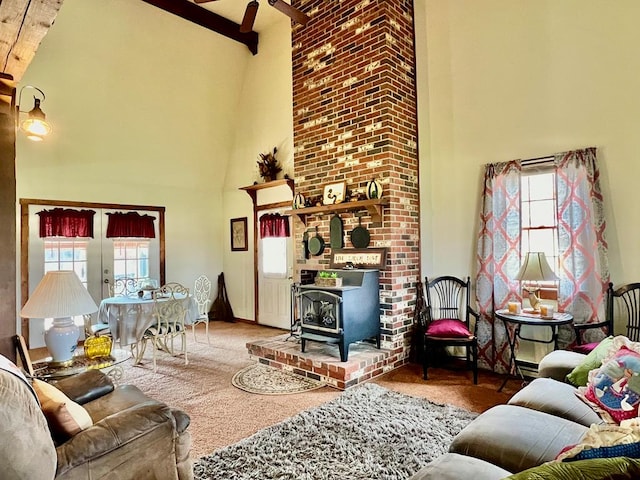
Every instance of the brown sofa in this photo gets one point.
(535, 425)
(132, 436)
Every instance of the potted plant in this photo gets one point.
(328, 279)
(269, 166)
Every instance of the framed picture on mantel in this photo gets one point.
(239, 241)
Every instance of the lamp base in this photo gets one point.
(61, 341)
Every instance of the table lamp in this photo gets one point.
(535, 268)
(60, 295)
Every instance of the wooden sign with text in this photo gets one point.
(359, 257)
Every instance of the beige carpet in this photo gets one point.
(222, 414)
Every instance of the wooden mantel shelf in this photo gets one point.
(373, 207)
(253, 189)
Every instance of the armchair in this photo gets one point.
(132, 436)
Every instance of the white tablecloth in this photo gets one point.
(129, 317)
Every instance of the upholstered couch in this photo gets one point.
(128, 435)
(534, 427)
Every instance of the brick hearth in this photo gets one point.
(322, 361)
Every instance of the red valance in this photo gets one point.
(131, 224)
(274, 225)
(66, 222)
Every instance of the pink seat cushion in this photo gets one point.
(586, 349)
(447, 328)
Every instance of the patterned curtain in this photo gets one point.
(274, 225)
(130, 225)
(584, 268)
(66, 222)
(498, 260)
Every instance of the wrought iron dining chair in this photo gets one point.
(202, 293)
(447, 320)
(173, 290)
(169, 315)
(623, 307)
(124, 287)
(91, 328)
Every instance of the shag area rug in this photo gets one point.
(266, 380)
(368, 432)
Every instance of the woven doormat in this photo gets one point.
(266, 380)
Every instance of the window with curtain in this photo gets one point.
(65, 232)
(515, 218)
(274, 232)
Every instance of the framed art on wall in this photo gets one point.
(334, 193)
(239, 241)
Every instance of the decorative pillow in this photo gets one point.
(447, 328)
(579, 375)
(606, 441)
(618, 468)
(615, 387)
(64, 416)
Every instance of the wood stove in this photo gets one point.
(342, 315)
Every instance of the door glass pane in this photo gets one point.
(274, 257)
(130, 259)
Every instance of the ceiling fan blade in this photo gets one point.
(249, 17)
(204, 1)
(292, 12)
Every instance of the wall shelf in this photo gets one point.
(373, 207)
(252, 190)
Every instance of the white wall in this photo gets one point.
(518, 79)
(144, 107)
(266, 113)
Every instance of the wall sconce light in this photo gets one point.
(35, 125)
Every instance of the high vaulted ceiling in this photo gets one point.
(26, 22)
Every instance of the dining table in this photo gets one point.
(130, 316)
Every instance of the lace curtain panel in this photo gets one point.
(584, 270)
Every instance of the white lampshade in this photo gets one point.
(60, 295)
(535, 268)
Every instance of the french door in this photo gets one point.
(275, 275)
(97, 261)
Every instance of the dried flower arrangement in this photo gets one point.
(269, 166)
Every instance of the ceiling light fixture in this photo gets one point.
(35, 125)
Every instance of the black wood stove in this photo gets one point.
(341, 315)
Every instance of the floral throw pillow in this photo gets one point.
(615, 386)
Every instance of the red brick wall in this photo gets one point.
(354, 106)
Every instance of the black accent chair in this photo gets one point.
(626, 301)
(447, 320)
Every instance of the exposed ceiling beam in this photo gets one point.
(24, 25)
(207, 19)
